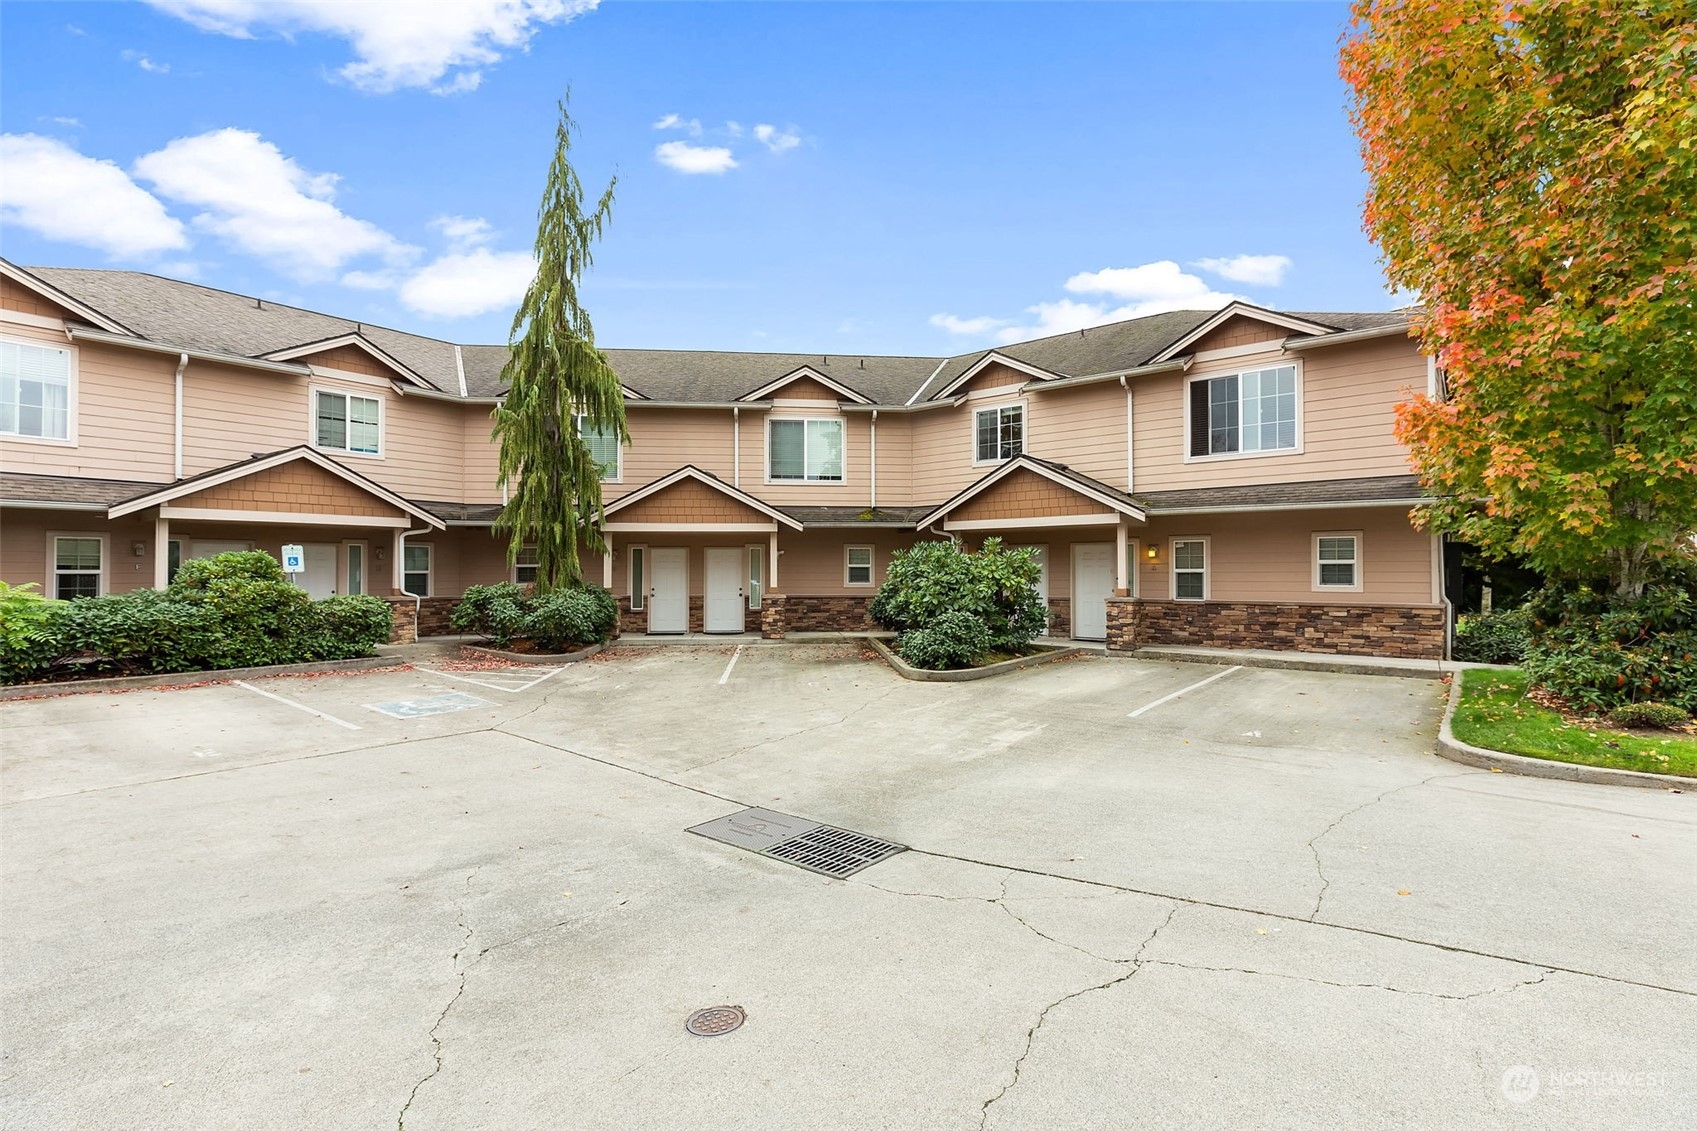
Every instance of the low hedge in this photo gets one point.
(232, 611)
(554, 621)
(1499, 637)
(1600, 653)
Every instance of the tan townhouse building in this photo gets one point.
(1222, 478)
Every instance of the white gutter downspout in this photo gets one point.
(736, 447)
(874, 442)
(177, 418)
(399, 579)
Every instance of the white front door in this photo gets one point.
(1092, 585)
(668, 594)
(319, 577)
(724, 602)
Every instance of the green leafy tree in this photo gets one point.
(1533, 168)
(555, 376)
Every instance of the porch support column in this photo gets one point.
(161, 552)
(1122, 570)
(772, 574)
(607, 564)
(395, 561)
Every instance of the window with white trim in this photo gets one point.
(78, 561)
(347, 422)
(524, 566)
(35, 391)
(604, 446)
(1190, 569)
(638, 577)
(804, 450)
(1337, 561)
(998, 433)
(756, 570)
(415, 569)
(857, 565)
(1253, 411)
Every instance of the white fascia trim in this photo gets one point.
(1179, 365)
(808, 372)
(951, 402)
(996, 357)
(1015, 464)
(1162, 512)
(1343, 337)
(286, 518)
(691, 527)
(758, 406)
(1248, 310)
(252, 467)
(692, 472)
(39, 505)
(357, 340)
(438, 395)
(920, 392)
(59, 298)
(1032, 523)
(80, 335)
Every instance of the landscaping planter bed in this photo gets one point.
(82, 685)
(579, 653)
(1042, 655)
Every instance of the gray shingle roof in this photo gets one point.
(71, 490)
(900, 518)
(1329, 492)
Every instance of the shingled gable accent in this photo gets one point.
(342, 352)
(1240, 310)
(208, 490)
(55, 298)
(698, 493)
(994, 357)
(1045, 489)
(805, 373)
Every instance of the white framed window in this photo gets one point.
(998, 433)
(756, 571)
(804, 450)
(638, 578)
(1337, 561)
(1190, 569)
(347, 422)
(416, 565)
(604, 447)
(36, 387)
(524, 566)
(857, 565)
(77, 564)
(1256, 412)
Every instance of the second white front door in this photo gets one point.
(1092, 585)
(724, 589)
(668, 594)
(319, 577)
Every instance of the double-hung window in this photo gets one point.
(1190, 569)
(603, 446)
(857, 565)
(524, 566)
(1245, 412)
(35, 391)
(347, 422)
(1337, 561)
(77, 565)
(998, 433)
(415, 570)
(804, 451)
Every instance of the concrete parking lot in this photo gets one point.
(305, 902)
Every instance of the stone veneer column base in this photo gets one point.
(1405, 632)
(403, 625)
(772, 616)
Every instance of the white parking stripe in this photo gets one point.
(729, 666)
(495, 680)
(298, 706)
(1183, 690)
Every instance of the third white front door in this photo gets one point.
(668, 594)
(1092, 585)
(319, 577)
(724, 601)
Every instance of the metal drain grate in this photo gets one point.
(806, 844)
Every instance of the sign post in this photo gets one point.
(294, 559)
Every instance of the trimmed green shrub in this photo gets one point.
(495, 611)
(1600, 654)
(553, 621)
(952, 640)
(197, 574)
(351, 626)
(1497, 637)
(1649, 715)
(28, 640)
(995, 586)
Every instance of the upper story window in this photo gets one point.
(998, 433)
(803, 450)
(604, 446)
(35, 391)
(1244, 413)
(347, 422)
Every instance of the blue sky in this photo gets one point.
(839, 177)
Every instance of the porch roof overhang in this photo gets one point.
(771, 517)
(1117, 506)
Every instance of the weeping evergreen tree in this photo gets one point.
(557, 382)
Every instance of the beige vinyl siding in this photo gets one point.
(229, 414)
(895, 460)
(1349, 396)
(812, 562)
(942, 450)
(423, 447)
(854, 488)
(23, 547)
(1083, 427)
(482, 455)
(121, 409)
(665, 439)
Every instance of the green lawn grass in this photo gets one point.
(1495, 714)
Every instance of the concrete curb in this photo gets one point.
(192, 679)
(537, 657)
(1449, 746)
(1302, 661)
(925, 675)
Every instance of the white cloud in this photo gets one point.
(57, 193)
(678, 122)
(734, 128)
(73, 123)
(265, 204)
(775, 139)
(969, 327)
(1255, 270)
(462, 284)
(396, 43)
(463, 231)
(145, 63)
(687, 158)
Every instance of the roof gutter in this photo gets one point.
(757, 406)
(1120, 375)
(888, 408)
(101, 336)
(1308, 342)
(438, 395)
(1163, 512)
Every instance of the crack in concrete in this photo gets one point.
(1542, 974)
(1001, 901)
(459, 990)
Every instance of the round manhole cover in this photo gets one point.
(715, 1020)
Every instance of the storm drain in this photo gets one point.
(819, 848)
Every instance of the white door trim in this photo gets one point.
(656, 555)
(1107, 550)
(722, 589)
